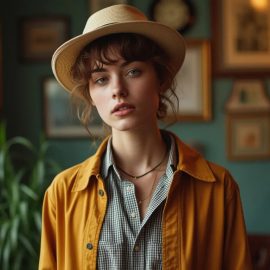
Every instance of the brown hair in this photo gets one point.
(132, 47)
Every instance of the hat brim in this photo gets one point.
(168, 39)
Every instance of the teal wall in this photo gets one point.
(23, 104)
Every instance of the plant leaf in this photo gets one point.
(21, 141)
(27, 244)
(14, 233)
(6, 256)
(37, 218)
(5, 226)
(23, 208)
(29, 192)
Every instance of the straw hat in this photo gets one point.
(117, 19)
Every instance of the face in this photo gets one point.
(126, 94)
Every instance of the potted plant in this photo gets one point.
(24, 175)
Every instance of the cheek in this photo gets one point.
(99, 101)
(92, 99)
(90, 94)
(96, 101)
(95, 97)
(101, 110)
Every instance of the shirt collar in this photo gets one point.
(108, 160)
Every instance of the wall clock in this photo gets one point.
(178, 14)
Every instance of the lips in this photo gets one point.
(123, 108)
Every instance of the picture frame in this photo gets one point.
(193, 84)
(96, 5)
(40, 36)
(241, 37)
(59, 116)
(248, 136)
(248, 95)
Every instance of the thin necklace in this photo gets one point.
(139, 176)
(151, 191)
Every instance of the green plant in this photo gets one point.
(24, 175)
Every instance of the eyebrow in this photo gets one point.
(102, 69)
(97, 70)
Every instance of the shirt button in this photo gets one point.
(89, 246)
(128, 188)
(136, 248)
(133, 214)
(101, 192)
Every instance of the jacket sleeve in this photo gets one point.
(47, 260)
(236, 247)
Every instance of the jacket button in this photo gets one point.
(101, 192)
(89, 246)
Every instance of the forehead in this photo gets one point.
(105, 56)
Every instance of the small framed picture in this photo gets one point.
(241, 37)
(96, 5)
(248, 136)
(40, 36)
(60, 119)
(193, 84)
(248, 95)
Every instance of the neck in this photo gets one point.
(137, 153)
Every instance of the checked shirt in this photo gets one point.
(126, 241)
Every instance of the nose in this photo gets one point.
(119, 89)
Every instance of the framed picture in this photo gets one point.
(248, 95)
(241, 41)
(40, 36)
(193, 83)
(248, 136)
(96, 5)
(60, 119)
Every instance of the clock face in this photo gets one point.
(177, 14)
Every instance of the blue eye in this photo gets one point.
(134, 72)
(101, 81)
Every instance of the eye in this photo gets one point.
(134, 72)
(100, 80)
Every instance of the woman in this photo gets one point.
(144, 200)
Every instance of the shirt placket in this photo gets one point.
(133, 216)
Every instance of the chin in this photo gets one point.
(125, 126)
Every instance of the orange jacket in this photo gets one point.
(203, 224)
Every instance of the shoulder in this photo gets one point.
(224, 178)
(77, 176)
(219, 171)
(67, 180)
(203, 171)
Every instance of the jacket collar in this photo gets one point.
(192, 163)
(189, 161)
(90, 168)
